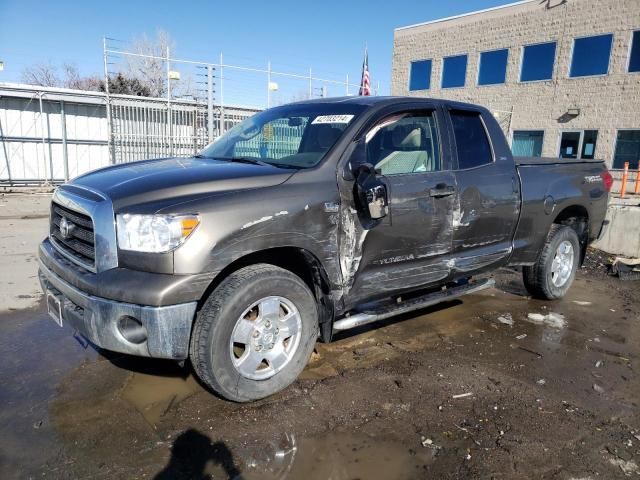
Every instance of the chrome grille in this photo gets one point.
(78, 239)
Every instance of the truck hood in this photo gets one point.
(152, 180)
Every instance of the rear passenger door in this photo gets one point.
(485, 218)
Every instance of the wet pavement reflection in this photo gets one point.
(468, 388)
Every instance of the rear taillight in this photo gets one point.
(607, 180)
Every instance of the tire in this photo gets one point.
(226, 367)
(546, 279)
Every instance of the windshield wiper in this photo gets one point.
(252, 160)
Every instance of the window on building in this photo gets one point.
(493, 67)
(454, 71)
(591, 56)
(420, 75)
(527, 143)
(627, 149)
(589, 139)
(406, 144)
(472, 143)
(537, 62)
(634, 55)
(578, 144)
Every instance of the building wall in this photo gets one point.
(607, 103)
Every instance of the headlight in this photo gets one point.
(154, 233)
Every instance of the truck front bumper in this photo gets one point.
(148, 331)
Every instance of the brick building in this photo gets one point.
(561, 76)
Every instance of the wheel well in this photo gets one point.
(576, 217)
(299, 262)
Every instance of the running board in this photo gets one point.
(362, 318)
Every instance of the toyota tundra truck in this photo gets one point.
(305, 220)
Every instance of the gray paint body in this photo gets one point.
(500, 214)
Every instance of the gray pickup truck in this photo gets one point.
(305, 220)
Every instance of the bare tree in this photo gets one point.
(149, 66)
(47, 75)
(42, 74)
(73, 79)
(150, 69)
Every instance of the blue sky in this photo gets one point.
(328, 36)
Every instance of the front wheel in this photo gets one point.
(554, 271)
(255, 333)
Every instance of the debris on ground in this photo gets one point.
(506, 319)
(599, 363)
(582, 303)
(462, 395)
(520, 337)
(626, 268)
(428, 443)
(552, 319)
(627, 466)
(598, 388)
(542, 381)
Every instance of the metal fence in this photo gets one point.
(49, 135)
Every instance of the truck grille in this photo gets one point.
(76, 237)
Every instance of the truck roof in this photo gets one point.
(382, 100)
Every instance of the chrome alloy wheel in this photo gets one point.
(562, 265)
(265, 338)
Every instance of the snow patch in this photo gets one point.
(552, 319)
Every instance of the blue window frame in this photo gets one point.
(493, 67)
(454, 71)
(634, 55)
(527, 143)
(420, 75)
(591, 56)
(537, 62)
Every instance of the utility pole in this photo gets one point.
(269, 84)
(110, 147)
(169, 115)
(221, 129)
(210, 103)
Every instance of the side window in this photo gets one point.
(405, 143)
(472, 143)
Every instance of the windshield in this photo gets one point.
(296, 136)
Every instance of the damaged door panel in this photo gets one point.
(489, 196)
(411, 246)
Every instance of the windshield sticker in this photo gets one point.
(332, 119)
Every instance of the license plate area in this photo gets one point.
(55, 303)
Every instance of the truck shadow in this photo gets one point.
(193, 453)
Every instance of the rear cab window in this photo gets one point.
(472, 143)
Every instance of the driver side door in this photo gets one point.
(410, 247)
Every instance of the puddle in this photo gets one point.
(335, 456)
(153, 396)
(35, 355)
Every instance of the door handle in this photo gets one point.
(442, 190)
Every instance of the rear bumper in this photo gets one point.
(167, 328)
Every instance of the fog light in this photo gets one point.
(132, 330)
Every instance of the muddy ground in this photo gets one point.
(470, 389)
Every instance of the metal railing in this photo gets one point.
(49, 135)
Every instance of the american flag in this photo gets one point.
(365, 82)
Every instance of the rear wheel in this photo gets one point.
(255, 333)
(554, 271)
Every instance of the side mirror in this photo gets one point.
(372, 192)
